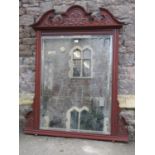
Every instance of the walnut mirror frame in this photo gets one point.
(87, 45)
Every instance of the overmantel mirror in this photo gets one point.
(76, 76)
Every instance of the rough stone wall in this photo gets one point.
(31, 10)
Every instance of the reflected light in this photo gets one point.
(51, 52)
(62, 49)
(86, 64)
(76, 41)
(77, 54)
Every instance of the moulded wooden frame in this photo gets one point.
(76, 21)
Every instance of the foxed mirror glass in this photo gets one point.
(76, 83)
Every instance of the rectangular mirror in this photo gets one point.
(76, 83)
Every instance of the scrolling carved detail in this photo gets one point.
(76, 16)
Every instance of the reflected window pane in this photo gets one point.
(76, 68)
(74, 120)
(77, 54)
(86, 68)
(85, 122)
(87, 54)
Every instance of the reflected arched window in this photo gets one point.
(77, 62)
(84, 120)
(86, 68)
(82, 62)
(74, 119)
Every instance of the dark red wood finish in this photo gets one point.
(76, 21)
(36, 107)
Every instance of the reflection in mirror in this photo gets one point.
(74, 119)
(77, 54)
(107, 42)
(86, 53)
(76, 83)
(86, 68)
(77, 68)
(85, 120)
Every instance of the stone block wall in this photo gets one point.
(31, 10)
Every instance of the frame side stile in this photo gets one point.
(37, 81)
(114, 124)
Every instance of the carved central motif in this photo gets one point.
(76, 14)
(76, 17)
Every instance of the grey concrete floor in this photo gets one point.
(42, 145)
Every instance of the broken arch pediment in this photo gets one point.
(76, 16)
